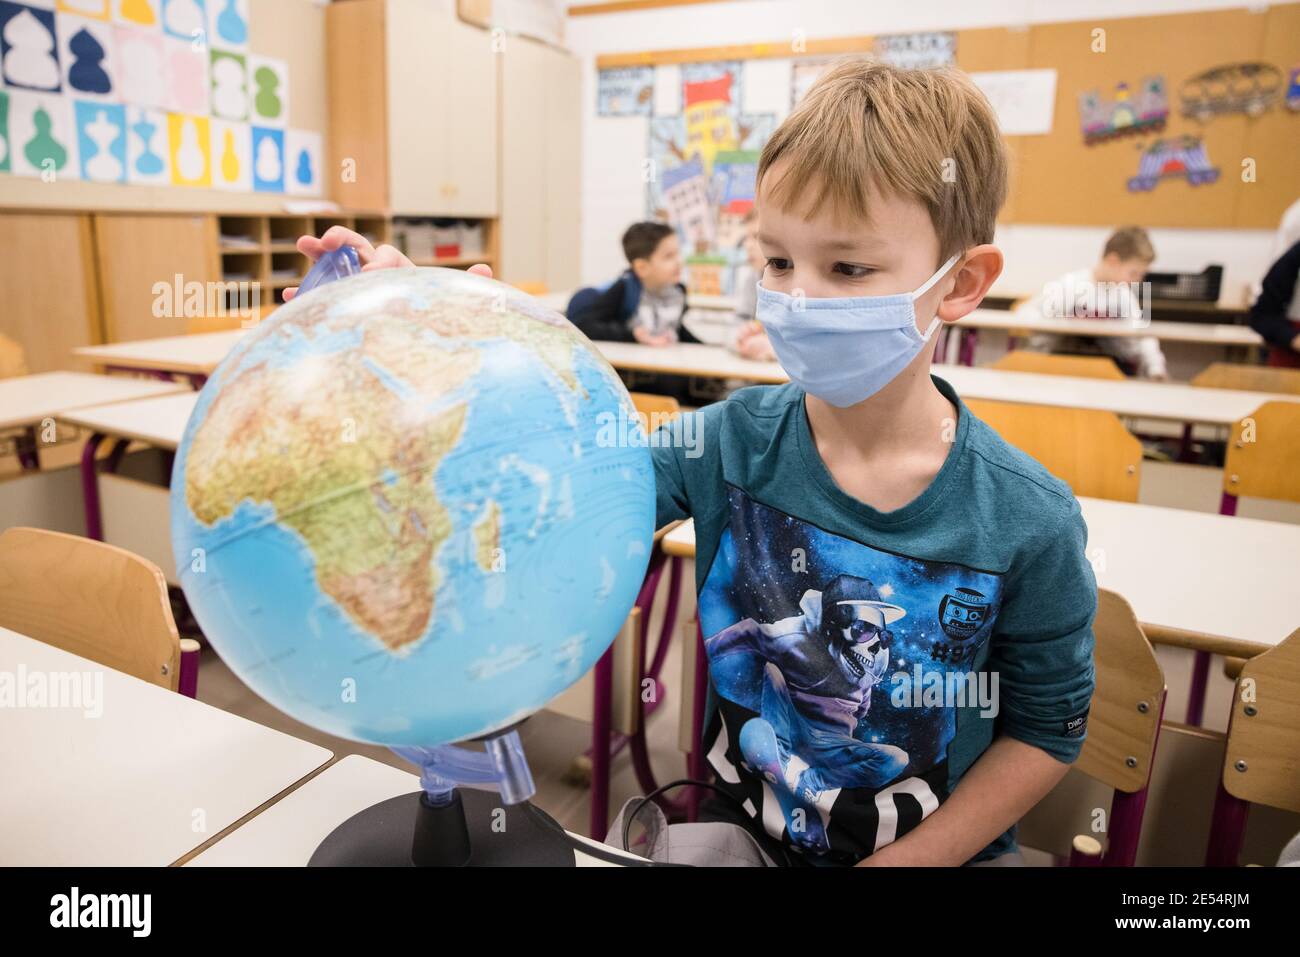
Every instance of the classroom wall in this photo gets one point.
(614, 148)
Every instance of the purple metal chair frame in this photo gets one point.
(605, 744)
(1127, 810)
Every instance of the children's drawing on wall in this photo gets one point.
(229, 86)
(1125, 112)
(139, 13)
(1249, 88)
(146, 147)
(4, 132)
(228, 24)
(268, 160)
(702, 163)
(1293, 89)
(1179, 157)
(101, 141)
(917, 51)
(42, 135)
(268, 91)
(232, 156)
(627, 91)
(302, 151)
(190, 148)
(28, 57)
(87, 52)
(184, 19)
(141, 80)
(99, 9)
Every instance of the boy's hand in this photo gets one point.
(752, 343)
(646, 338)
(384, 257)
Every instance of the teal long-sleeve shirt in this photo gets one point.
(861, 661)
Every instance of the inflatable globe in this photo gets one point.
(412, 507)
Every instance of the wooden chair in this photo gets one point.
(1123, 727)
(1259, 763)
(97, 601)
(1229, 375)
(655, 409)
(13, 363)
(1262, 461)
(533, 289)
(1088, 449)
(1081, 367)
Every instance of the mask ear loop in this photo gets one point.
(925, 287)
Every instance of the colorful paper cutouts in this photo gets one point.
(1125, 112)
(268, 160)
(229, 86)
(1293, 89)
(101, 141)
(228, 24)
(186, 74)
(87, 52)
(141, 67)
(28, 57)
(190, 148)
(302, 159)
(232, 156)
(625, 91)
(917, 51)
(42, 136)
(268, 91)
(147, 153)
(99, 9)
(1179, 157)
(5, 152)
(136, 13)
(184, 20)
(1249, 88)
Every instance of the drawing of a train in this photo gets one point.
(1173, 158)
(1249, 88)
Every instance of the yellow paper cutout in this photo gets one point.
(229, 159)
(95, 9)
(138, 11)
(190, 148)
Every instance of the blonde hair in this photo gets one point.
(1130, 242)
(928, 135)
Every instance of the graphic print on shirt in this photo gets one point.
(836, 667)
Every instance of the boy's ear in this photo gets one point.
(978, 270)
(640, 267)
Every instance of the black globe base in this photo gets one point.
(475, 830)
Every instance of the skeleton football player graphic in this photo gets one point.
(821, 666)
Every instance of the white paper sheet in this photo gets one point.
(1024, 99)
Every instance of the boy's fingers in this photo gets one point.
(337, 236)
(310, 247)
(290, 292)
(481, 269)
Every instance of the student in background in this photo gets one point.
(1104, 292)
(647, 303)
(1276, 313)
(750, 339)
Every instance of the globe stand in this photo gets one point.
(475, 830)
(449, 825)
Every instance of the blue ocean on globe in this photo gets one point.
(398, 513)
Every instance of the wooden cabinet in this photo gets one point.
(145, 263)
(47, 272)
(541, 143)
(413, 118)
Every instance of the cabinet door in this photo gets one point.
(442, 113)
(563, 158)
(47, 272)
(524, 163)
(143, 262)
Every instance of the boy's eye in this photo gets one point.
(852, 271)
(778, 264)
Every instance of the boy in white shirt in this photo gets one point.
(1108, 290)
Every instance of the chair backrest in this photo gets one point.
(1263, 457)
(1088, 449)
(1259, 763)
(655, 410)
(1081, 367)
(92, 599)
(12, 359)
(1124, 717)
(1230, 375)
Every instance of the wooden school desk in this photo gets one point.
(26, 401)
(287, 833)
(143, 784)
(191, 356)
(1206, 582)
(159, 422)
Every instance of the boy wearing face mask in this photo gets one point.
(897, 603)
(877, 199)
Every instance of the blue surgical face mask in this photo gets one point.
(845, 350)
